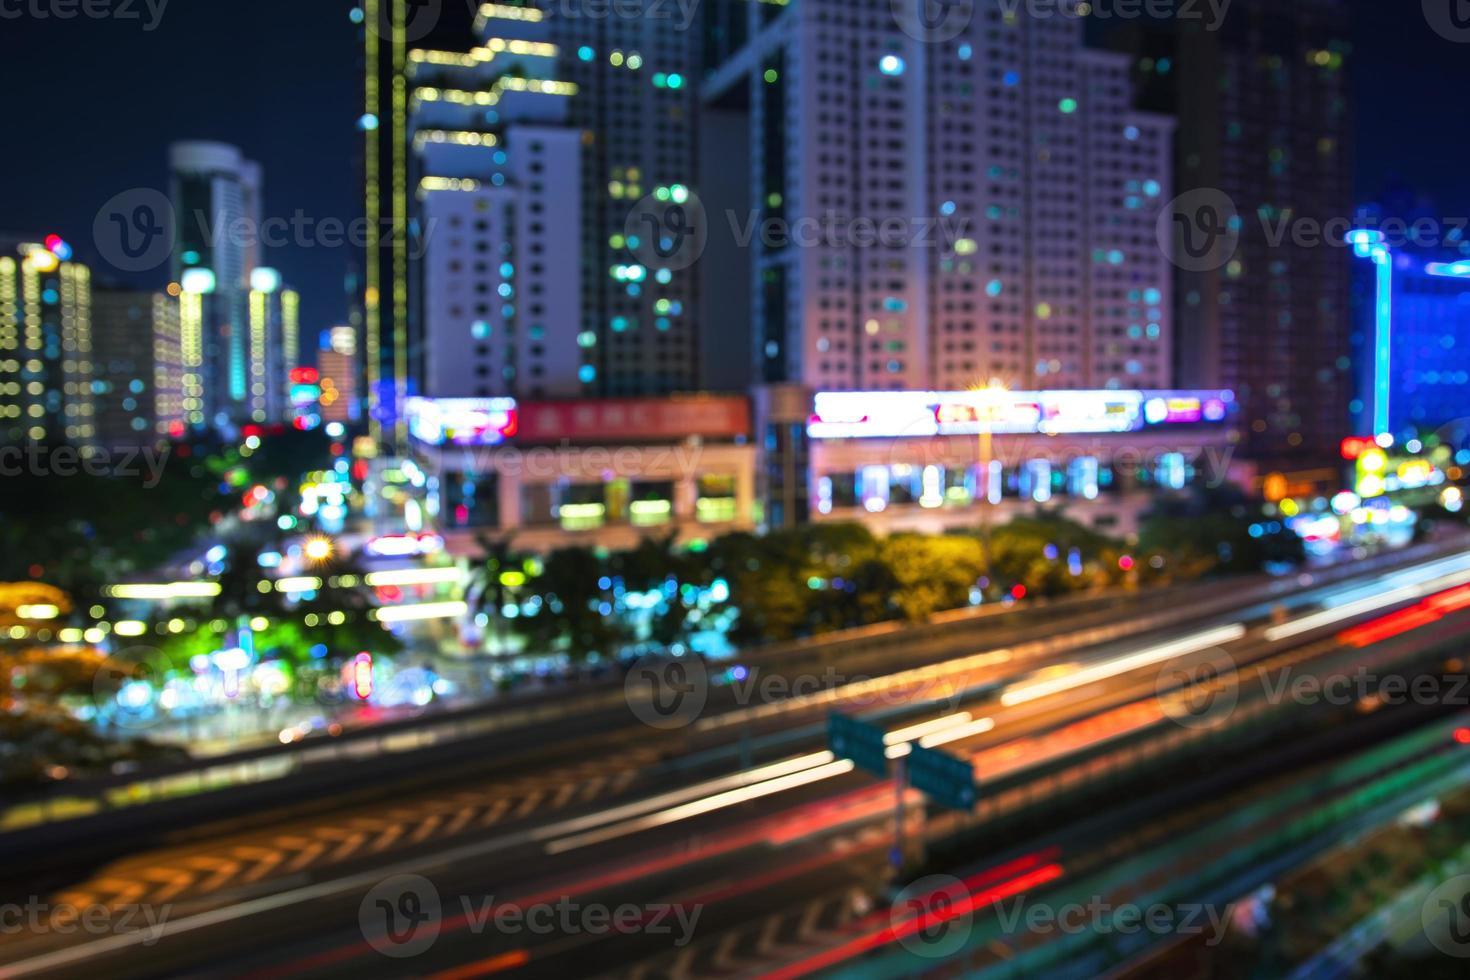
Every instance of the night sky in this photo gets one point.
(91, 106)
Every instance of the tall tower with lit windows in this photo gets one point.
(138, 367)
(46, 360)
(496, 172)
(379, 285)
(637, 108)
(940, 207)
(605, 119)
(216, 196)
(1264, 101)
(275, 331)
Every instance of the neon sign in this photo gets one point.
(921, 414)
(462, 421)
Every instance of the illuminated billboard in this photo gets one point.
(462, 421)
(636, 419)
(918, 414)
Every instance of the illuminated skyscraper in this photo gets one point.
(337, 366)
(577, 162)
(940, 209)
(274, 337)
(392, 355)
(138, 365)
(497, 174)
(46, 361)
(1411, 313)
(217, 205)
(638, 110)
(1264, 101)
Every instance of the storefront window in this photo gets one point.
(715, 501)
(651, 504)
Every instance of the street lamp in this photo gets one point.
(318, 549)
(985, 415)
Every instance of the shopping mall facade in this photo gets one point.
(608, 473)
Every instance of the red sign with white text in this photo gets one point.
(626, 420)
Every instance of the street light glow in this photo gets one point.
(318, 548)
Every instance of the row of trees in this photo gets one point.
(81, 528)
(827, 577)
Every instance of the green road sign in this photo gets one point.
(849, 738)
(948, 780)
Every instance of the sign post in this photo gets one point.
(947, 779)
(850, 738)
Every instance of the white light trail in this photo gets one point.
(1350, 610)
(1122, 665)
(699, 807)
(424, 610)
(414, 576)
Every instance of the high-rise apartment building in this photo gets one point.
(497, 172)
(337, 370)
(945, 209)
(606, 119)
(274, 339)
(138, 365)
(1263, 99)
(46, 334)
(217, 205)
(379, 300)
(636, 71)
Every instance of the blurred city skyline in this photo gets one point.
(286, 91)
